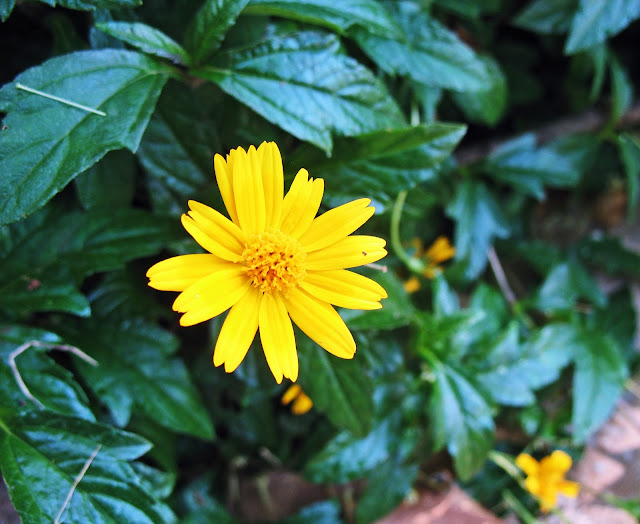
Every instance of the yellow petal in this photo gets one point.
(295, 200)
(272, 181)
(238, 331)
(412, 284)
(301, 204)
(336, 224)
(248, 191)
(352, 251)
(178, 273)
(321, 323)
(301, 405)
(310, 209)
(344, 289)
(214, 232)
(292, 392)
(569, 488)
(558, 462)
(532, 485)
(527, 464)
(224, 177)
(440, 251)
(211, 295)
(217, 226)
(278, 340)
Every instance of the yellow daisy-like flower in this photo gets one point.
(272, 263)
(545, 479)
(440, 251)
(301, 401)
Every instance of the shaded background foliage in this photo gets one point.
(375, 97)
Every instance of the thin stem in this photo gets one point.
(379, 267)
(496, 267)
(77, 480)
(413, 264)
(37, 343)
(523, 513)
(61, 100)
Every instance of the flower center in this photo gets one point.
(274, 260)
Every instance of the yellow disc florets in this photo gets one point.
(274, 261)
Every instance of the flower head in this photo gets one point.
(301, 401)
(545, 479)
(272, 262)
(440, 251)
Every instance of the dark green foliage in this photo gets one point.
(442, 112)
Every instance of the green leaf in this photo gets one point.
(370, 15)
(596, 20)
(494, 307)
(339, 388)
(177, 149)
(42, 454)
(208, 27)
(147, 39)
(339, 94)
(621, 90)
(445, 300)
(565, 284)
(49, 290)
(6, 6)
(83, 242)
(428, 53)
(46, 143)
(512, 371)
(548, 16)
(91, 5)
(136, 371)
(124, 293)
(110, 184)
(325, 512)
(528, 168)
(598, 380)
(397, 310)
(346, 458)
(629, 149)
(386, 487)
(506, 386)
(378, 165)
(487, 105)
(548, 351)
(608, 253)
(618, 320)
(51, 384)
(479, 219)
(461, 418)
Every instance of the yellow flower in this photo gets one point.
(440, 251)
(545, 479)
(301, 402)
(272, 263)
(412, 284)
